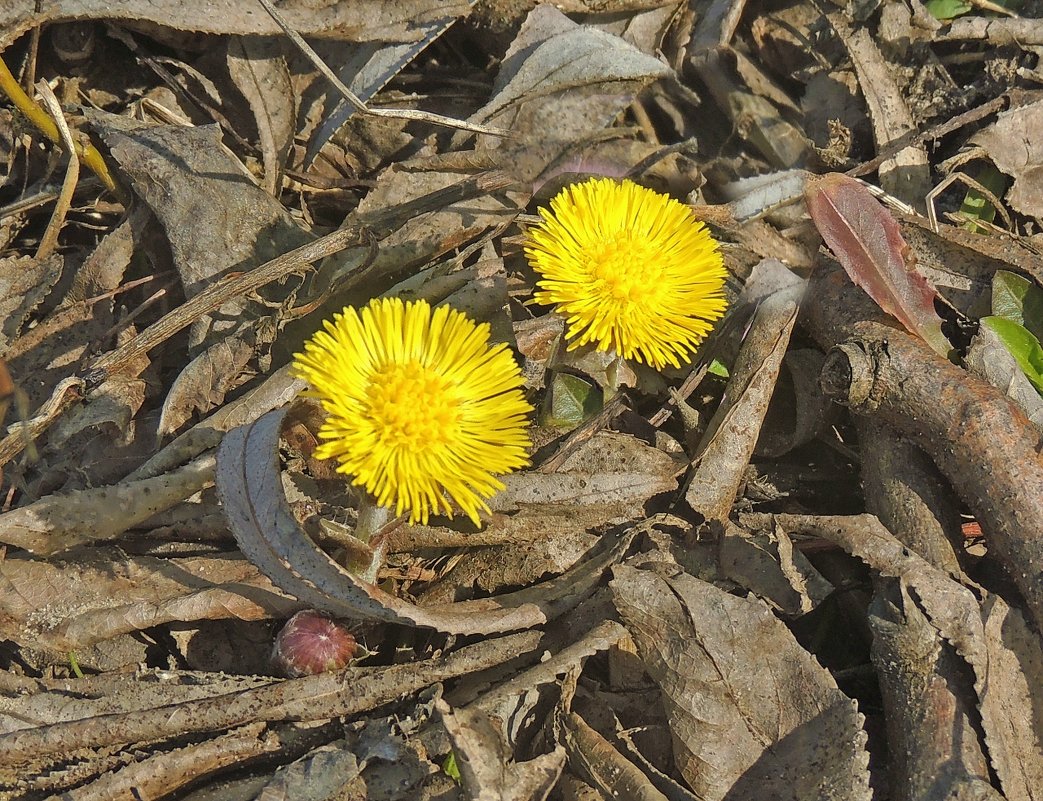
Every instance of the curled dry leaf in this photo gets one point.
(790, 733)
(868, 242)
(731, 436)
(251, 492)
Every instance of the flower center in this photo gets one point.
(627, 271)
(413, 407)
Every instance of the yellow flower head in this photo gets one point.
(632, 271)
(418, 405)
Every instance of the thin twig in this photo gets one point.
(351, 97)
(322, 697)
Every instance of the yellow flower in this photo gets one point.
(632, 271)
(418, 405)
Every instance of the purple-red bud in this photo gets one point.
(312, 642)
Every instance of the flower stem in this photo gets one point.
(372, 518)
(612, 371)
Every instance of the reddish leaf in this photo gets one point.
(868, 243)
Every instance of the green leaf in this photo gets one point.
(569, 401)
(947, 9)
(1022, 345)
(1018, 299)
(450, 768)
(718, 369)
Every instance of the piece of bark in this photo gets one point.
(903, 489)
(980, 441)
(927, 699)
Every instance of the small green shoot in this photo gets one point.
(450, 768)
(718, 369)
(975, 205)
(945, 10)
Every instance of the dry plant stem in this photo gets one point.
(49, 240)
(338, 84)
(979, 440)
(43, 123)
(903, 489)
(688, 386)
(168, 771)
(322, 697)
(926, 689)
(57, 523)
(67, 393)
(371, 519)
(216, 294)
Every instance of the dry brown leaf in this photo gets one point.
(752, 714)
(59, 606)
(560, 84)
(394, 20)
(487, 771)
(216, 222)
(258, 69)
(544, 522)
(1013, 145)
(24, 283)
(731, 435)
